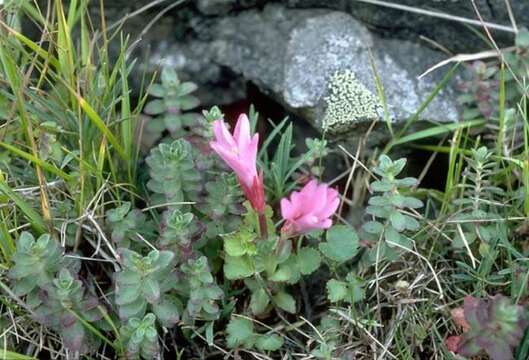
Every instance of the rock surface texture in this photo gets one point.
(318, 64)
(317, 57)
(449, 33)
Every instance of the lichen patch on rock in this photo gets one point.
(348, 103)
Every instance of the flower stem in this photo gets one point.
(263, 228)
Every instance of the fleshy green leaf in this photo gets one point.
(336, 290)
(285, 301)
(271, 342)
(240, 332)
(341, 245)
(259, 301)
(238, 267)
(308, 260)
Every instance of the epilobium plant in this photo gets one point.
(309, 209)
(141, 338)
(36, 262)
(389, 210)
(479, 202)
(57, 299)
(173, 100)
(240, 154)
(61, 308)
(174, 176)
(143, 282)
(494, 326)
(255, 253)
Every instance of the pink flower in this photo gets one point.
(239, 151)
(310, 208)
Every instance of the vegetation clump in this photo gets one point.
(221, 236)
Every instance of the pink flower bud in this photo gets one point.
(239, 152)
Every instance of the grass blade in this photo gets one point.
(437, 130)
(34, 218)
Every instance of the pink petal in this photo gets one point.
(242, 131)
(320, 199)
(287, 209)
(309, 197)
(327, 223)
(233, 161)
(306, 223)
(250, 151)
(309, 187)
(331, 205)
(222, 135)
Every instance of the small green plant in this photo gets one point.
(141, 338)
(63, 305)
(494, 326)
(174, 177)
(56, 298)
(171, 106)
(222, 205)
(36, 263)
(480, 92)
(241, 333)
(202, 291)
(144, 283)
(390, 221)
(125, 223)
(262, 263)
(479, 201)
(350, 291)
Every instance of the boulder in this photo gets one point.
(317, 63)
(451, 34)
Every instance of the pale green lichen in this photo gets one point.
(349, 102)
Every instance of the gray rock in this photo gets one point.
(317, 64)
(215, 7)
(449, 33)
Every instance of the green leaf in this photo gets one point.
(127, 294)
(281, 275)
(240, 243)
(151, 290)
(341, 245)
(188, 102)
(437, 130)
(155, 107)
(127, 277)
(117, 214)
(308, 260)
(336, 290)
(522, 38)
(259, 301)
(398, 221)
(156, 90)
(285, 301)
(238, 267)
(412, 202)
(134, 309)
(393, 238)
(6, 354)
(270, 342)
(167, 311)
(186, 88)
(240, 332)
(411, 223)
(355, 288)
(381, 185)
(373, 227)
(379, 201)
